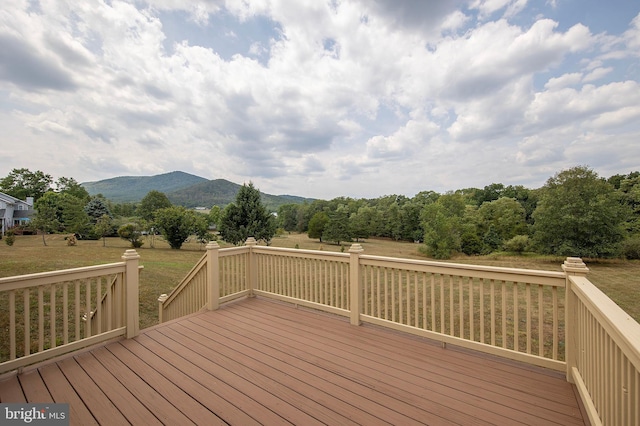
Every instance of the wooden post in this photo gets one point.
(213, 275)
(252, 266)
(131, 257)
(163, 297)
(571, 266)
(355, 283)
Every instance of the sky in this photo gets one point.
(321, 99)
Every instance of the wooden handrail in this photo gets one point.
(605, 364)
(45, 310)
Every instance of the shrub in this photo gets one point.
(630, 248)
(517, 244)
(9, 238)
(131, 232)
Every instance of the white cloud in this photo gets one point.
(321, 99)
(596, 74)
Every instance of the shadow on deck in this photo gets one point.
(258, 361)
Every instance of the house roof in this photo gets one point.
(13, 200)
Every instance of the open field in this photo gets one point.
(164, 268)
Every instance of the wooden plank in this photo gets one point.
(96, 401)
(62, 392)
(11, 391)
(156, 399)
(189, 389)
(34, 388)
(134, 411)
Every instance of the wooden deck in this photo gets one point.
(263, 362)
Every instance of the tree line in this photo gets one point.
(576, 213)
(64, 206)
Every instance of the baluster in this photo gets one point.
(528, 296)
(27, 322)
(52, 316)
(12, 324)
(541, 312)
(40, 318)
(65, 312)
(516, 319)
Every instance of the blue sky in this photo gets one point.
(322, 99)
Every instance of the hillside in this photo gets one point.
(182, 189)
(125, 189)
(220, 192)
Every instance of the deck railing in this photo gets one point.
(603, 351)
(51, 313)
(557, 320)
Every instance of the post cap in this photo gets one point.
(130, 254)
(356, 248)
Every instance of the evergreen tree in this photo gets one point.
(337, 228)
(247, 217)
(96, 208)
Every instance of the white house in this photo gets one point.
(14, 211)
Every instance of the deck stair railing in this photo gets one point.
(51, 313)
(557, 320)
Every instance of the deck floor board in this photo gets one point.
(257, 361)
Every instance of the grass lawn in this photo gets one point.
(164, 268)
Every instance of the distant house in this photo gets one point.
(14, 212)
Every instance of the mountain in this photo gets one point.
(182, 189)
(220, 192)
(126, 189)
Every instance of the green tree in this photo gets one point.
(104, 227)
(317, 224)
(152, 202)
(176, 224)
(247, 217)
(201, 228)
(214, 216)
(444, 226)
(74, 218)
(96, 208)
(70, 186)
(337, 228)
(46, 219)
(23, 183)
(360, 222)
(442, 231)
(288, 217)
(500, 220)
(579, 214)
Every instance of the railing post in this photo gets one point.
(571, 266)
(355, 283)
(163, 297)
(213, 275)
(252, 266)
(131, 257)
